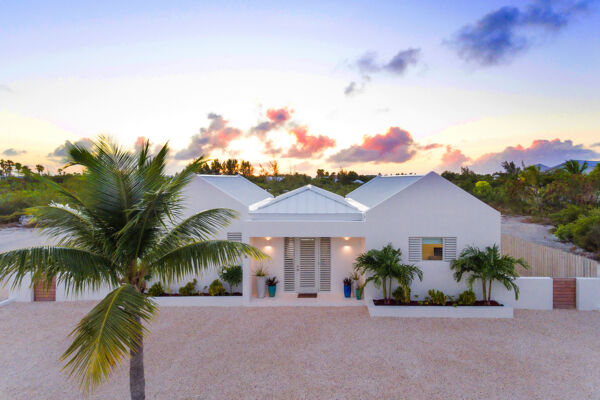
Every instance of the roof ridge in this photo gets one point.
(315, 189)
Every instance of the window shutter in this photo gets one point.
(449, 248)
(289, 278)
(234, 236)
(325, 264)
(415, 251)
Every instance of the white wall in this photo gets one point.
(431, 207)
(535, 293)
(588, 294)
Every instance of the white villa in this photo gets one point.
(313, 236)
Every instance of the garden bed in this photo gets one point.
(435, 311)
(478, 303)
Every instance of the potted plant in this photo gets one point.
(355, 276)
(359, 291)
(272, 285)
(261, 276)
(347, 287)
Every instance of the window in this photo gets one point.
(432, 248)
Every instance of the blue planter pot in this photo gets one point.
(272, 290)
(347, 291)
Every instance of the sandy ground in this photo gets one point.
(328, 353)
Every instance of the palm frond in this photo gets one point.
(107, 334)
(195, 258)
(78, 269)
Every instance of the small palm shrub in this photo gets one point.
(272, 281)
(437, 297)
(156, 290)
(466, 298)
(402, 294)
(216, 288)
(189, 289)
(232, 275)
(347, 281)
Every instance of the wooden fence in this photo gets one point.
(548, 261)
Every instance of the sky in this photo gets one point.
(373, 86)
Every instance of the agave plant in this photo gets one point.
(488, 265)
(123, 228)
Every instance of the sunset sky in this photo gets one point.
(378, 86)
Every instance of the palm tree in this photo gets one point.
(405, 276)
(574, 168)
(488, 265)
(39, 168)
(385, 265)
(123, 228)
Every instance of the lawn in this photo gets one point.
(210, 353)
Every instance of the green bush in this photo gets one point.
(401, 295)
(564, 233)
(216, 288)
(437, 297)
(466, 298)
(189, 289)
(584, 231)
(232, 275)
(566, 215)
(156, 290)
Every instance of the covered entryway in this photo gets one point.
(307, 264)
(41, 292)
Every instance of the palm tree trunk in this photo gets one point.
(489, 293)
(137, 381)
(483, 289)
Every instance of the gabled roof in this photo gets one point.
(381, 188)
(238, 187)
(309, 201)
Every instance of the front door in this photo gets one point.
(306, 270)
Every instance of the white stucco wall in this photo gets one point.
(588, 294)
(431, 207)
(535, 293)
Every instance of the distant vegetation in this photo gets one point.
(566, 197)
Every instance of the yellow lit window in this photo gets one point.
(432, 248)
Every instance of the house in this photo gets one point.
(313, 236)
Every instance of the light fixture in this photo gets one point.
(346, 238)
(268, 238)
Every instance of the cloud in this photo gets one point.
(354, 88)
(548, 152)
(60, 154)
(367, 63)
(308, 146)
(396, 145)
(217, 136)
(597, 144)
(500, 36)
(13, 152)
(453, 159)
(276, 118)
(4, 88)
(432, 146)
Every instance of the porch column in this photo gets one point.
(247, 276)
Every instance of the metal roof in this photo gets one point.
(238, 187)
(308, 202)
(381, 188)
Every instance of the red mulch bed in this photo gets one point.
(481, 303)
(203, 294)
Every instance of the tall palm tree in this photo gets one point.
(384, 266)
(123, 228)
(39, 168)
(488, 265)
(573, 167)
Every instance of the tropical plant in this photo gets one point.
(261, 271)
(573, 167)
(466, 298)
(437, 297)
(123, 227)
(384, 266)
(488, 265)
(156, 290)
(216, 288)
(232, 275)
(348, 281)
(272, 281)
(189, 289)
(399, 294)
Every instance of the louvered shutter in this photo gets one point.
(307, 279)
(415, 251)
(288, 265)
(234, 236)
(325, 264)
(449, 248)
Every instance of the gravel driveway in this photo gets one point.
(329, 353)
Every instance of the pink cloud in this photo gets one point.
(453, 159)
(217, 136)
(396, 145)
(308, 145)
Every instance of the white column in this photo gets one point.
(247, 275)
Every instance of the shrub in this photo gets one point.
(232, 275)
(272, 281)
(216, 288)
(156, 290)
(584, 231)
(566, 215)
(402, 294)
(564, 233)
(189, 289)
(437, 297)
(466, 298)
